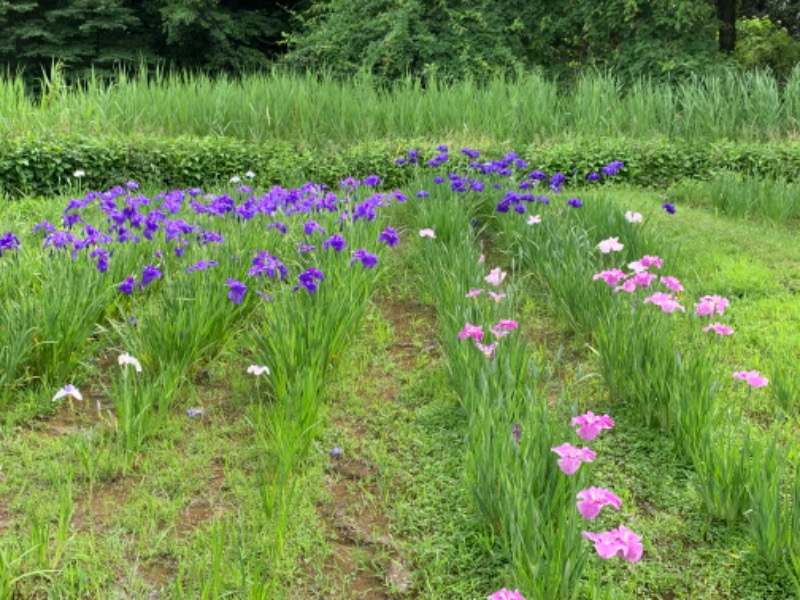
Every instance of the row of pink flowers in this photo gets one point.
(708, 305)
(622, 541)
(640, 277)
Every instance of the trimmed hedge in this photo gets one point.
(36, 166)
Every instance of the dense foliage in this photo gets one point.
(47, 166)
(211, 34)
(393, 38)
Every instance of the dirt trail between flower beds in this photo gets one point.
(366, 562)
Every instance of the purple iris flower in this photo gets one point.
(365, 210)
(266, 264)
(366, 259)
(310, 227)
(302, 248)
(308, 280)
(372, 181)
(237, 291)
(612, 168)
(209, 237)
(57, 239)
(537, 176)
(8, 241)
(389, 237)
(279, 226)
(201, 265)
(336, 241)
(350, 182)
(399, 196)
(46, 225)
(102, 258)
(575, 202)
(149, 274)
(670, 208)
(471, 153)
(593, 176)
(126, 287)
(70, 219)
(557, 181)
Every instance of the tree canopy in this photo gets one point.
(395, 38)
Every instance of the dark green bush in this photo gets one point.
(762, 43)
(35, 166)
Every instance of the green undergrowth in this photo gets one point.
(314, 108)
(185, 519)
(415, 436)
(46, 164)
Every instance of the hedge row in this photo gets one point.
(35, 166)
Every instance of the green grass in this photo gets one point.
(761, 199)
(317, 110)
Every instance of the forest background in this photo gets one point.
(393, 39)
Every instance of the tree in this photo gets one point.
(82, 34)
(392, 38)
(631, 37)
(726, 13)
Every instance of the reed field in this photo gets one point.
(486, 382)
(316, 110)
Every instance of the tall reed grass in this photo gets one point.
(316, 109)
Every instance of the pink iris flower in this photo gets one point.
(719, 328)
(637, 266)
(595, 498)
(473, 292)
(644, 279)
(487, 350)
(611, 277)
(753, 378)
(666, 302)
(503, 328)
(496, 297)
(633, 217)
(648, 261)
(505, 594)
(610, 245)
(629, 286)
(495, 276)
(471, 331)
(672, 284)
(708, 305)
(658, 298)
(534, 219)
(572, 457)
(592, 424)
(428, 233)
(620, 542)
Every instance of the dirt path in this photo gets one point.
(366, 561)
